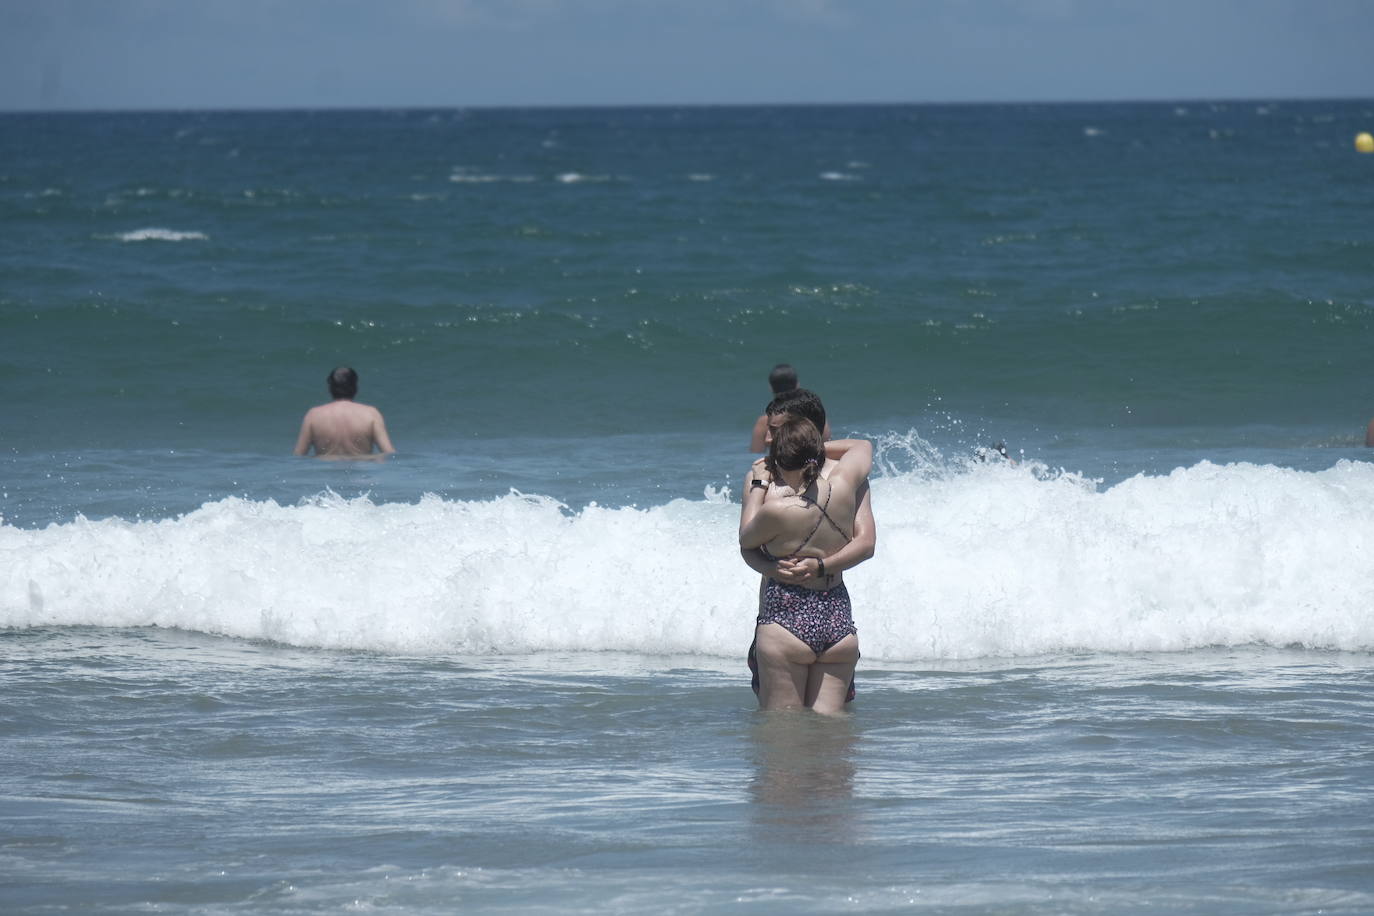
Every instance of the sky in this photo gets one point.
(233, 54)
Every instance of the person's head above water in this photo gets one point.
(343, 383)
(799, 402)
(797, 446)
(782, 378)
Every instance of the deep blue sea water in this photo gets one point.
(501, 671)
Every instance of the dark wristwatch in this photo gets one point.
(758, 482)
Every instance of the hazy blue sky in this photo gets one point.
(87, 54)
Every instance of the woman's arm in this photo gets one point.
(755, 524)
(761, 528)
(756, 481)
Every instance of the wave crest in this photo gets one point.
(989, 559)
(161, 235)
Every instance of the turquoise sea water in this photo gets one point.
(502, 670)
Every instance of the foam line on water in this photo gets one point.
(984, 560)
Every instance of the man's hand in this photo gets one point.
(794, 570)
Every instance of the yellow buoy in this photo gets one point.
(1364, 142)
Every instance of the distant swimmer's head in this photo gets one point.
(799, 402)
(782, 378)
(343, 383)
(797, 446)
(990, 452)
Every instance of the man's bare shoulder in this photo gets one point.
(343, 408)
(355, 409)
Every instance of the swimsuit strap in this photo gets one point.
(825, 516)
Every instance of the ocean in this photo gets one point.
(1130, 671)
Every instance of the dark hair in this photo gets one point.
(983, 453)
(797, 446)
(343, 383)
(782, 378)
(799, 402)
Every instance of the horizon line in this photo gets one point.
(591, 106)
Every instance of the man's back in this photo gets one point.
(343, 429)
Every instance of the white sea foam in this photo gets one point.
(579, 178)
(160, 235)
(993, 560)
(465, 176)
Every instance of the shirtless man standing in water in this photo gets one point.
(782, 379)
(343, 428)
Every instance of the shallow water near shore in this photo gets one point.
(155, 768)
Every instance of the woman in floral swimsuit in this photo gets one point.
(807, 645)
